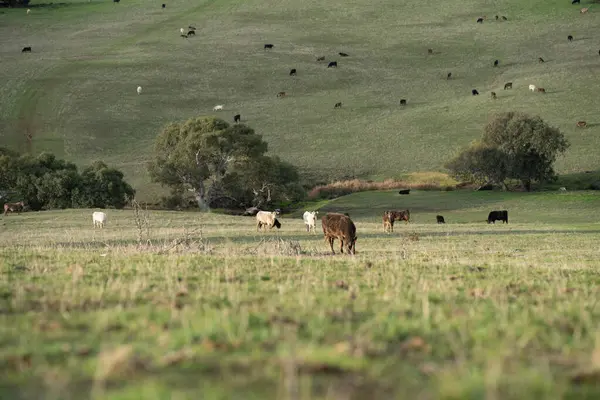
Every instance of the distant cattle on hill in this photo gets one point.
(332, 64)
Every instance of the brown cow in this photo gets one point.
(580, 124)
(390, 216)
(12, 207)
(541, 90)
(339, 226)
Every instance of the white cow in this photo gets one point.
(532, 88)
(182, 31)
(267, 219)
(562, 189)
(28, 11)
(218, 107)
(99, 219)
(139, 90)
(310, 220)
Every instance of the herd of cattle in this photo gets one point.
(335, 225)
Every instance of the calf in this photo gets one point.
(310, 220)
(343, 54)
(267, 219)
(440, 219)
(339, 226)
(581, 124)
(570, 38)
(508, 85)
(332, 64)
(496, 63)
(99, 219)
(14, 207)
(402, 102)
(474, 92)
(237, 118)
(26, 49)
(532, 88)
(268, 46)
(498, 216)
(390, 216)
(338, 105)
(292, 71)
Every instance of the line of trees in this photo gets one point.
(514, 146)
(45, 182)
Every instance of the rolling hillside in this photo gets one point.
(75, 94)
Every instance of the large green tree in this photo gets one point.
(216, 161)
(513, 146)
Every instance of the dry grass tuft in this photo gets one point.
(278, 247)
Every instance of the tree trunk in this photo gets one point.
(200, 195)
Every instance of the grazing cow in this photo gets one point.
(237, 118)
(570, 38)
(540, 60)
(99, 219)
(562, 189)
(532, 88)
(218, 107)
(430, 51)
(576, 2)
(164, 5)
(116, 1)
(332, 64)
(480, 20)
(498, 216)
(474, 92)
(191, 32)
(310, 220)
(14, 207)
(268, 46)
(390, 216)
(339, 226)
(322, 58)
(541, 90)
(402, 102)
(404, 191)
(494, 95)
(338, 105)
(497, 18)
(440, 219)
(449, 75)
(292, 71)
(139, 90)
(182, 31)
(581, 124)
(496, 63)
(504, 18)
(267, 219)
(584, 10)
(508, 85)
(281, 94)
(26, 49)
(343, 54)
(28, 11)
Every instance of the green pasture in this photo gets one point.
(75, 94)
(185, 305)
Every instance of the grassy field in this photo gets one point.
(75, 93)
(202, 306)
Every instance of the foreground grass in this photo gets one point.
(75, 93)
(457, 311)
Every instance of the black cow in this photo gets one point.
(497, 18)
(402, 102)
(475, 92)
(496, 63)
(440, 219)
(429, 51)
(116, 1)
(570, 38)
(268, 46)
(480, 20)
(540, 60)
(449, 75)
(494, 95)
(322, 58)
(343, 54)
(576, 2)
(293, 71)
(404, 191)
(504, 18)
(332, 64)
(26, 49)
(192, 33)
(338, 105)
(237, 118)
(508, 85)
(164, 5)
(498, 216)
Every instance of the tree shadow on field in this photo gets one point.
(592, 125)
(422, 234)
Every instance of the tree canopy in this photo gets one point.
(216, 162)
(513, 146)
